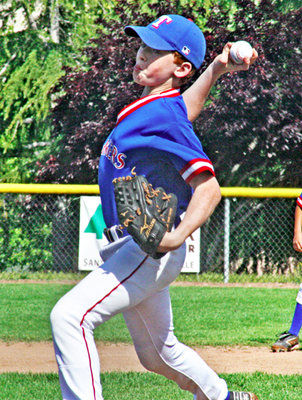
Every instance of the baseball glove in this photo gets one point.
(145, 212)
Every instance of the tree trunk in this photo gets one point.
(55, 21)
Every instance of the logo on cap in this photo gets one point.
(185, 50)
(161, 20)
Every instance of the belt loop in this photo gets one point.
(113, 233)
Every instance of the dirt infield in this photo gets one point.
(39, 358)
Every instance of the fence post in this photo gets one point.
(226, 239)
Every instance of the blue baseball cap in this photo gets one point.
(173, 32)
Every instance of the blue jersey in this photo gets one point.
(299, 201)
(154, 135)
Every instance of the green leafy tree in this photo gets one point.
(250, 128)
(37, 39)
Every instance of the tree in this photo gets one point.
(87, 111)
(251, 126)
(37, 39)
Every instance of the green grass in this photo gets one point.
(231, 316)
(202, 315)
(210, 277)
(146, 386)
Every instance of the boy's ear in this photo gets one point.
(183, 69)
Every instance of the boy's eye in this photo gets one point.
(143, 46)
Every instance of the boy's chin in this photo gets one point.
(137, 79)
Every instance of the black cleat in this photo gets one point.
(286, 342)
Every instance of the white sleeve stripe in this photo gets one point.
(194, 167)
(299, 201)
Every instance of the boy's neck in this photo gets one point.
(158, 89)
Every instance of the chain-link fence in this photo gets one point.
(250, 235)
(41, 233)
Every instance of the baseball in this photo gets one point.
(240, 50)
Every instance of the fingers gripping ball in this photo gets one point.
(240, 50)
(145, 212)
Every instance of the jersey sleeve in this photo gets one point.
(187, 152)
(186, 146)
(195, 167)
(299, 201)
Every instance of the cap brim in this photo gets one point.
(149, 37)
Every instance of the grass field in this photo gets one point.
(202, 316)
(146, 386)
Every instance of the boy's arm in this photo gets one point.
(297, 241)
(206, 197)
(195, 96)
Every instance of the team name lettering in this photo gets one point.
(111, 152)
(161, 20)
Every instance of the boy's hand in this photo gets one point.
(171, 241)
(297, 242)
(223, 62)
(195, 96)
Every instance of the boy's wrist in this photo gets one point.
(218, 69)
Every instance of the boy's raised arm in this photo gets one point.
(196, 95)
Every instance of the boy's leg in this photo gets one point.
(99, 296)
(151, 326)
(297, 318)
(289, 340)
(123, 281)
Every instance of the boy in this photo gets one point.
(289, 340)
(154, 135)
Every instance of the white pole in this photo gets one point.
(226, 239)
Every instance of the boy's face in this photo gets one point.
(153, 67)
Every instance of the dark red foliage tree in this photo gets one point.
(250, 128)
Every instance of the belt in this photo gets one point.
(113, 233)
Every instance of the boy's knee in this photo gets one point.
(55, 316)
(60, 316)
(163, 366)
(162, 362)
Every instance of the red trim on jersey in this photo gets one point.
(199, 171)
(299, 201)
(130, 108)
(195, 167)
(91, 308)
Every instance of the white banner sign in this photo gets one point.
(92, 239)
(91, 233)
(192, 261)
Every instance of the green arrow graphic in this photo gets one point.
(96, 224)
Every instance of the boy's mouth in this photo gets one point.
(137, 68)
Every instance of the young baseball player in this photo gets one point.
(289, 340)
(153, 134)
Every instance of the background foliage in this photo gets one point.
(44, 72)
(37, 40)
(251, 127)
(66, 71)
